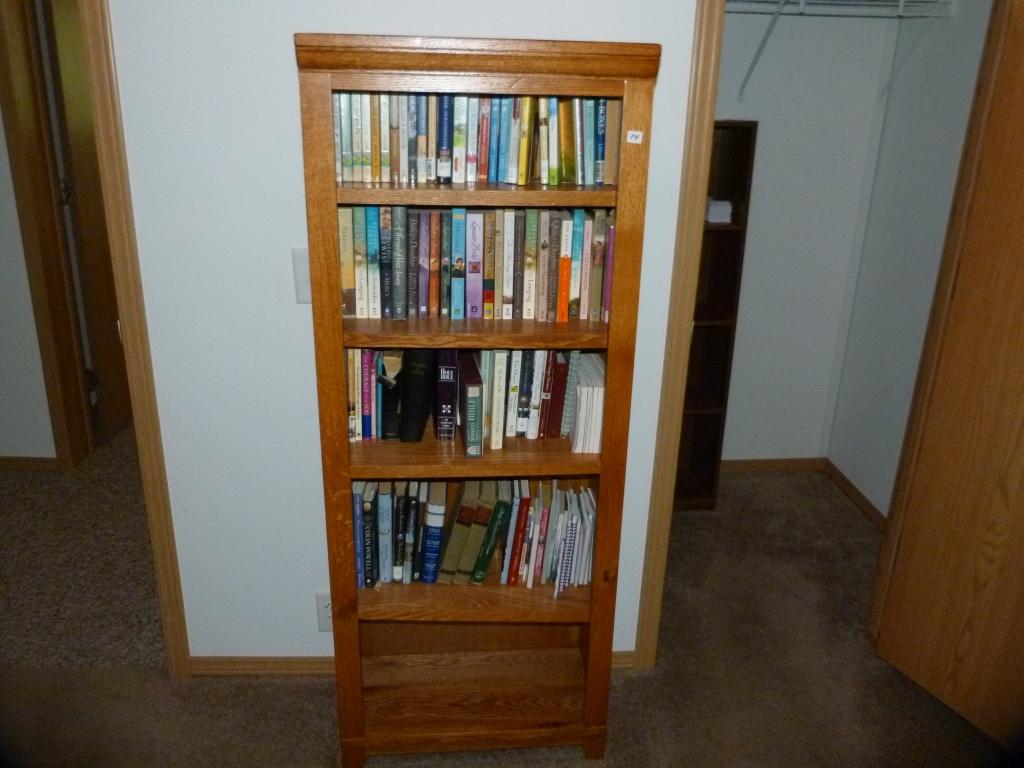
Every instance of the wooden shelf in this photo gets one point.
(475, 700)
(474, 603)
(479, 195)
(435, 332)
(430, 458)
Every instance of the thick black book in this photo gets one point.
(387, 280)
(418, 515)
(417, 392)
(398, 530)
(525, 393)
(446, 393)
(370, 543)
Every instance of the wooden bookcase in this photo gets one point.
(714, 318)
(425, 668)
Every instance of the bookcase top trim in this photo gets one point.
(324, 52)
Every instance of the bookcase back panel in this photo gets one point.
(393, 638)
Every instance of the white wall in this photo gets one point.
(25, 429)
(815, 94)
(935, 70)
(210, 104)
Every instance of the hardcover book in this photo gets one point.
(565, 267)
(412, 277)
(345, 116)
(445, 289)
(462, 521)
(446, 394)
(559, 381)
(421, 531)
(576, 267)
(585, 265)
(542, 138)
(422, 118)
(579, 131)
(391, 394)
(471, 405)
(434, 244)
(412, 516)
(488, 281)
(358, 488)
(475, 265)
(432, 533)
(472, 138)
(508, 264)
(423, 278)
(566, 142)
(499, 262)
(600, 132)
(530, 248)
(597, 265)
(543, 253)
(375, 137)
(394, 135)
(417, 379)
(497, 520)
(398, 521)
(512, 172)
(503, 142)
(364, 105)
(414, 121)
(370, 565)
(554, 265)
(554, 171)
(511, 395)
(484, 148)
(499, 371)
(403, 138)
(385, 138)
(518, 263)
(589, 140)
(432, 137)
(357, 137)
(526, 120)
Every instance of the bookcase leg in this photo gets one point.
(593, 745)
(352, 756)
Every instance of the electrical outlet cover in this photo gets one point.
(323, 611)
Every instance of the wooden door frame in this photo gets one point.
(37, 195)
(124, 255)
(700, 123)
(991, 59)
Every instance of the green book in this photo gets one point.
(497, 522)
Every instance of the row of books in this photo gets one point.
(535, 264)
(412, 138)
(510, 531)
(486, 395)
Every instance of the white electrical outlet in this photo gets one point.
(323, 611)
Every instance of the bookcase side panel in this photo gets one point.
(325, 275)
(633, 155)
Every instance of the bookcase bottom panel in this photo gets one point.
(437, 701)
(394, 639)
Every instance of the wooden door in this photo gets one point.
(108, 380)
(948, 608)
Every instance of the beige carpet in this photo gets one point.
(764, 661)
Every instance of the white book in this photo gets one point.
(512, 396)
(403, 138)
(508, 258)
(385, 138)
(597, 415)
(345, 117)
(537, 503)
(499, 370)
(540, 358)
(588, 257)
(364, 105)
(460, 108)
(357, 136)
(512, 169)
(336, 107)
(472, 138)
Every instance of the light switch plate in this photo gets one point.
(300, 266)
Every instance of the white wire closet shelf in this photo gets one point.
(876, 8)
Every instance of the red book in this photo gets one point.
(559, 380)
(516, 556)
(545, 393)
(434, 305)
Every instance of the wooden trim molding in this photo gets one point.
(862, 502)
(135, 336)
(689, 232)
(309, 665)
(33, 171)
(29, 463)
(998, 29)
(814, 464)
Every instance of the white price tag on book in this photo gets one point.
(634, 137)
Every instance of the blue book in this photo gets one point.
(458, 263)
(445, 131)
(433, 531)
(386, 263)
(495, 140)
(385, 511)
(600, 139)
(357, 528)
(589, 140)
(414, 121)
(373, 259)
(575, 280)
(506, 131)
